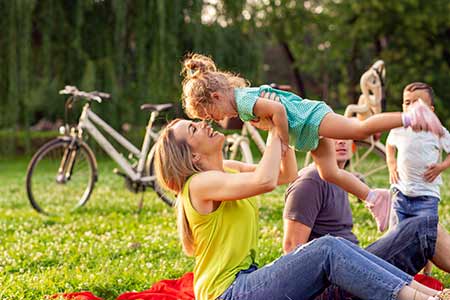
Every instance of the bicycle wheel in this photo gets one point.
(245, 154)
(166, 196)
(61, 177)
(238, 148)
(369, 163)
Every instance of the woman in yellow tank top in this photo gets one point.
(218, 225)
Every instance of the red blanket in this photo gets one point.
(175, 289)
(182, 289)
(429, 282)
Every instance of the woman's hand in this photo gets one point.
(271, 96)
(265, 123)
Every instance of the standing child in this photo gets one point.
(212, 94)
(415, 173)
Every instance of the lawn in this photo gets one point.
(107, 248)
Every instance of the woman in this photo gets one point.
(217, 222)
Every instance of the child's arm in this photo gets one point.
(277, 113)
(392, 163)
(434, 170)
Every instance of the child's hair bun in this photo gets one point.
(195, 63)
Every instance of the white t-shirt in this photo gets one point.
(415, 152)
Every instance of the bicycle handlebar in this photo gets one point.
(94, 95)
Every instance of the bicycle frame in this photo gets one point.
(88, 121)
(373, 143)
(254, 134)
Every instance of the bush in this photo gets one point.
(16, 143)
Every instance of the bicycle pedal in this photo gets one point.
(118, 172)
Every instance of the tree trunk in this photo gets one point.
(296, 70)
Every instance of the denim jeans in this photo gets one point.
(308, 270)
(408, 246)
(404, 207)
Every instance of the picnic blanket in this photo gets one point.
(429, 281)
(170, 289)
(182, 289)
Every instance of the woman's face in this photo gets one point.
(200, 136)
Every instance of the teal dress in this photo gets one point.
(304, 116)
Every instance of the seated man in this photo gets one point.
(315, 208)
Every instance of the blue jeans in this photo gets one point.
(404, 207)
(408, 246)
(308, 270)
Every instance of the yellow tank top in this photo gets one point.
(225, 243)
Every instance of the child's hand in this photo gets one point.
(433, 171)
(263, 124)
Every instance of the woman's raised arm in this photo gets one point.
(220, 186)
(288, 167)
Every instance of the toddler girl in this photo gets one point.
(212, 94)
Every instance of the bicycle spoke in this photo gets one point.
(375, 170)
(58, 192)
(369, 162)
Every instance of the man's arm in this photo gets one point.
(303, 205)
(295, 233)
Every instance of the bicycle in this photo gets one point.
(237, 146)
(65, 168)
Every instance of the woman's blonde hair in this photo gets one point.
(201, 79)
(173, 166)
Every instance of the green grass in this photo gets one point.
(108, 249)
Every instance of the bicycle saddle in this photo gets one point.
(156, 107)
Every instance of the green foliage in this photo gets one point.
(107, 249)
(21, 142)
(131, 49)
(334, 42)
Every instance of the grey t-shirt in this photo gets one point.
(320, 205)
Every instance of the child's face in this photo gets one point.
(411, 97)
(221, 106)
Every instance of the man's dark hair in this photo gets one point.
(421, 86)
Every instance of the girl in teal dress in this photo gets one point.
(210, 94)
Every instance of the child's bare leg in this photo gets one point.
(423, 288)
(325, 158)
(409, 293)
(428, 268)
(339, 127)
(377, 200)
